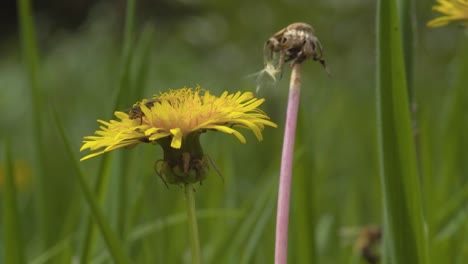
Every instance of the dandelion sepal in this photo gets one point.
(185, 165)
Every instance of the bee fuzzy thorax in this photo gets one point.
(300, 29)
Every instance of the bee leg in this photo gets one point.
(320, 47)
(163, 180)
(265, 53)
(319, 57)
(322, 61)
(215, 167)
(158, 172)
(281, 61)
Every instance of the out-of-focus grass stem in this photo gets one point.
(112, 242)
(124, 91)
(31, 57)
(101, 183)
(100, 188)
(408, 30)
(13, 250)
(404, 227)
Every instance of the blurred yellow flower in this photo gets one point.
(176, 114)
(22, 173)
(454, 10)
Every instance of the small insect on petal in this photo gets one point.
(136, 112)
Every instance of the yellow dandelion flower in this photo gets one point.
(454, 10)
(175, 120)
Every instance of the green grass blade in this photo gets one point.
(404, 224)
(142, 61)
(445, 185)
(253, 241)
(453, 215)
(304, 197)
(145, 230)
(124, 92)
(111, 240)
(48, 255)
(229, 249)
(406, 8)
(31, 57)
(126, 57)
(138, 205)
(123, 95)
(453, 172)
(13, 249)
(100, 188)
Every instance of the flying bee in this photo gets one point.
(135, 112)
(294, 43)
(366, 242)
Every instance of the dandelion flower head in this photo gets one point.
(176, 114)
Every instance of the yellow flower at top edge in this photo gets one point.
(176, 114)
(454, 10)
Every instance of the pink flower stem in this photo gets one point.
(282, 216)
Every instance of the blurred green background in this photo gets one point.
(218, 44)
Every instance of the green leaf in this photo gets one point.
(12, 234)
(404, 225)
(112, 243)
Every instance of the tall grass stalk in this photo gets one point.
(408, 29)
(447, 206)
(101, 184)
(31, 58)
(100, 188)
(113, 244)
(13, 251)
(124, 91)
(238, 238)
(404, 234)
